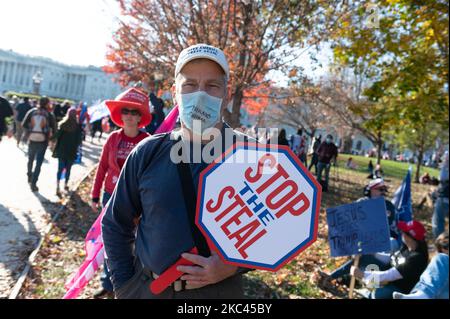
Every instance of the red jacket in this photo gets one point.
(108, 170)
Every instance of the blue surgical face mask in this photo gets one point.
(199, 106)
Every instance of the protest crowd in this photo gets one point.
(144, 200)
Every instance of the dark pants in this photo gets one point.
(314, 161)
(323, 166)
(36, 150)
(138, 288)
(64, 164)
(104, 277)
(303, 159)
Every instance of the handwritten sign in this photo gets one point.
(258, 206)
(358, 228)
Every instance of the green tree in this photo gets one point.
(403, 48)
(256, 36)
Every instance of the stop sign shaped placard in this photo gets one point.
(258, 206)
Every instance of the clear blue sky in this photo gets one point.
(75, 32)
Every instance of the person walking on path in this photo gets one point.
(68, 138)
(5, 111)
(130, 111)
(298, 145)
(326, 153)
(40, 125)
(315, 157)
(21, 110)
(282, 140)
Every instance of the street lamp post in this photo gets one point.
(37, 80)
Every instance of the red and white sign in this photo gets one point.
(258, 206)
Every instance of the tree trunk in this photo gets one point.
(234, 120)
(379, 147)
(235, 115)
(419, 159)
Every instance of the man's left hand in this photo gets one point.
(208, 270)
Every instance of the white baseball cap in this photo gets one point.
(202, 51)
(376, 183)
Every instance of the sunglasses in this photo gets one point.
(132, 112)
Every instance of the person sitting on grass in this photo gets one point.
(350, 164)
(400, 271)
(376, 188)
(433, 283)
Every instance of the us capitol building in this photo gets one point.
(20, 73)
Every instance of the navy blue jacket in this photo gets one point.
(148, 187)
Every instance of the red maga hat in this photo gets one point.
(133, 99)
(413, 228)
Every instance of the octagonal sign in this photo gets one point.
(258, 206)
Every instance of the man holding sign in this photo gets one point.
(154, 187)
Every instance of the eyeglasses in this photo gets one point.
(132, 112)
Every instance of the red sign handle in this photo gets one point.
(170, 275)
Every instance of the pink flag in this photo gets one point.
(94, 258)
(169, 122)
(95, 252)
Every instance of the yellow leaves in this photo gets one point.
(430, 34)
(392, 2)
(280, 277)
(55, 239)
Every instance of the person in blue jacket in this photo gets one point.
(147, 226)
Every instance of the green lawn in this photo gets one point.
(390, 168)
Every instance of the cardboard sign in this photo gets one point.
(258, 206)
(358, 228)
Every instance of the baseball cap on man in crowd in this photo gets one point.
(202, 51)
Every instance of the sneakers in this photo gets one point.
(102, 293)
(34, 188)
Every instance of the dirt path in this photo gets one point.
(24, 214)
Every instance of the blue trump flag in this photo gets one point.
(402, 199)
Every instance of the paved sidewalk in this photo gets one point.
(23, 216)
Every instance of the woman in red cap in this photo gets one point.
(400, 271)
(130, 111)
